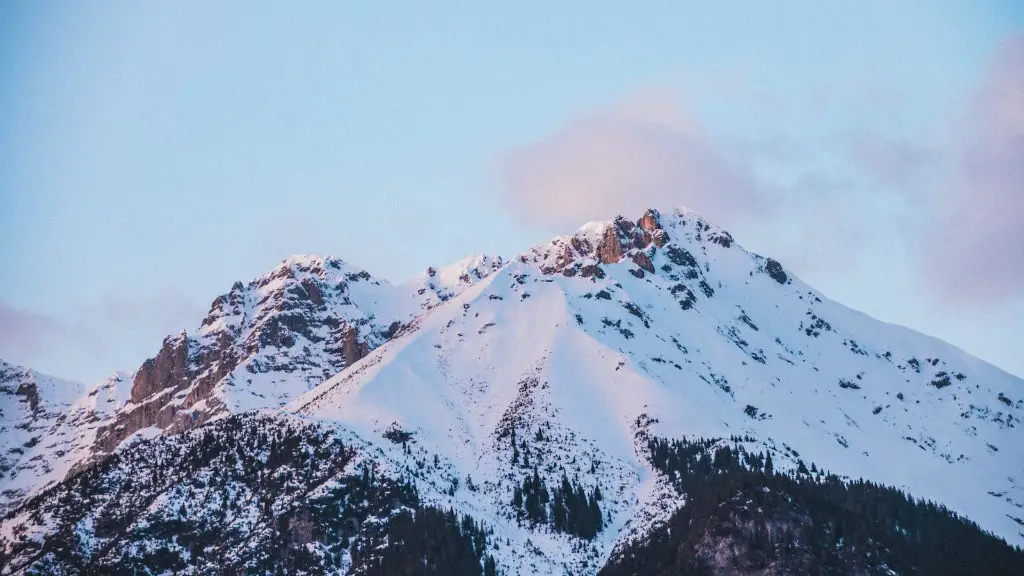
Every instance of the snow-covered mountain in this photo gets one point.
(261, 345)
(667, 327)
(30, 405)
(66, 441)
(476, 381)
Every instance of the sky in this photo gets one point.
(151, 154)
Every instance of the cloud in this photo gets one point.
(976, 249)
(644, 151)
(90, 341)
(164, 312)
(26, 336)
(950, 209)
(898, 162)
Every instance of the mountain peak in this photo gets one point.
(311, 264)
(605, 242)
(465, 271)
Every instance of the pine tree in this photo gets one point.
(801, 468)
(594, 517)
(515, 449)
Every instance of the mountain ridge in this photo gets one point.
(503, 376)
(261, 343)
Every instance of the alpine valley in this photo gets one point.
(639, 397)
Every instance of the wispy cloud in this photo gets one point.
(92, 340)
(646, 150)
(898, 162)
(975, 251)
(26, 336)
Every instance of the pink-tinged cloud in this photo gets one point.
(25, 336)
(900, 163)
(90, 341)
(644, 151)
(163, 312)
(977, 250)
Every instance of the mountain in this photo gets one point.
(580, 343)
(568, 405)
(66, 441)
(261, 345)
(30, 404)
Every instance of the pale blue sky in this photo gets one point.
(153, 153)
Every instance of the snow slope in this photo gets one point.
(30, 404)
(67, 442)
(667, 327)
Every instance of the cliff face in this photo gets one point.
(168, 370)
(261, 345)
(155, 399)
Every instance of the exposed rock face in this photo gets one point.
(722, 238)
(643, 261)
(303, 322)
(608, 244)
(774, 269)
(164, 388)
(649, 247)
(647, 244)
(168, 370)
(29, 393)
(351, 348)
(650, 221)
(623, 236)
(610, 248)
(654, 233)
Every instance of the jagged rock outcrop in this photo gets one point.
(156, 394)
(617, 241)
(261, 344)
(608, 243)
(774, 269)
(167, 371)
